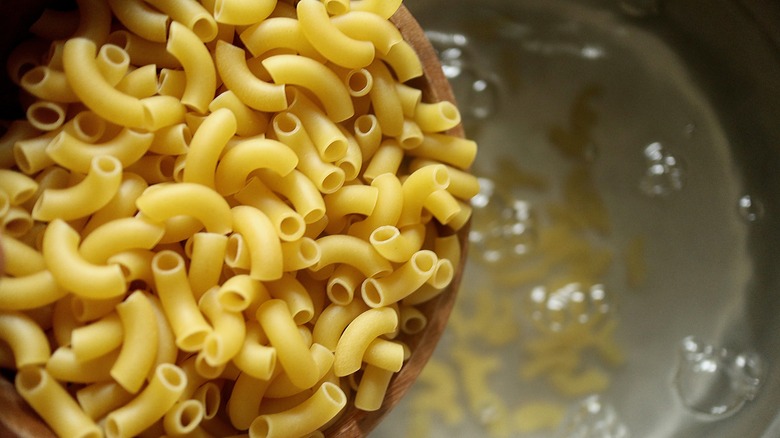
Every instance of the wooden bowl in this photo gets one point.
(18, 420)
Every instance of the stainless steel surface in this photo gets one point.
(681, 101)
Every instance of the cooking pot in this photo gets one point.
(645, 134)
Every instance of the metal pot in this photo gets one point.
(669, 112)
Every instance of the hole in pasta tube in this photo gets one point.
(114, 54)
(309, 251)
(167, 261)
(112, 428)
(332, 181)
(450, 112)
(167, 166)
(260, 427)
(365, 124)
(384, 234)
(232, 300)
(370, 290)
(413, 324)
(35, 76)
(210, 397)
(442, 275)
(441, 177)
(204, 28)
(335, 7)
(204, 368)
(171, 376)
(334, 393)
(286, 123)
(424, 261)
(340, 293)
(291, 227)
(234, 251)
(335, 150)
(212, 348)
(189, 415)
(30, 378)
(411, 142)
(359, 82)
(17, 226)
(22, 161)
(106, 164)
(88, 126)
(46, 116)
(349, 168)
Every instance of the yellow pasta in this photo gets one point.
(242, 12)
(207, 145)
(183, 418)
(329, 40)
(353, 251)
(150, 405)
(387, 159)
(84, 198)
(53, 403)
(294, 294)
(120, 235)
(243, 159)
(256, 359)
(304, 418)
(25, 338)
(141, 19)
(398, 245)
(282, 387)
(278, 33)
(227, 338)
(206, 257)
(265, 249)
(254, 92)
(416, 189)
(248, 122)
(191, 14)
(315, 77)
(139, 347)
(190, 199)
(293, 353)
(357, 336)
(198, 66)
(289, 224)
(100, 398)
(64, 366)
(299, 190)
(378, 292)
(98, 338)
(383, 8)
(372, 387)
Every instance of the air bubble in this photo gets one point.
(571, 304)
(715, 382)
(664, 172)
(750, 209)
(593, 418)
(640, 8)
(501, 229)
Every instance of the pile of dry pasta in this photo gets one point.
(221, 217)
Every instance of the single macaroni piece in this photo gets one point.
(329, 40)
(207, 145)
(253, 91)
(244, 158)
(242, 12)
(97, 338)
(139, 346)
(278, 33)
(198, 66)
(356, 338)
(304, 418)
(164, 202)
(25, 338)
(142, 20)
(403, 281)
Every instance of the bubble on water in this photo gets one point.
(664, 172)
(640, 8)
(689, 130)
(571, 304)
(716, 382)
(750, 209)
(501, 228)
(593, 418)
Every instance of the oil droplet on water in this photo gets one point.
(664, 172)
(716, 382)
(750, 209)
(593, 418)
(640, 8)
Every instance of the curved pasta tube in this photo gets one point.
(352, 161)
(442, 205)
(463, 185)
(295, 295)
(188, 199)
(53, 403)
(94, 21)
(352, 251)
(17, 186)
(249, 155)
(395, 244)
(290, 131)
(343, 283)
(183, 418)
(25, 338)
(299, 190)
(282, 387)
(378, 292)
(142, 20)
(242, 12)
(326, 135)
(291, 349)
(403, 60)
(254, 92)
(356, 338)
(198, 66)
(20, 259)
(145, 52)
(349, 200)
(139, 348)
(436, 117)
(206, 261)
(207, 145)
(178, 303)
(72, 272)
(299, 254)
(372, 388)
(76, 155)
(447, 149)
(384, 99)
(171, 140)
(97, 338)
(265, 248)
(191, 14)
(225, 341)
(245, 398)
(368, 134)
(140, 83)
(278, 33)
(333, 320)
(256, 359)
(100, 398)
(315, 77)
(368, 26)
(164, 389)
(241, 292)
(385, 354)
(84, 198)
(162, 111)
(329, 40)
(323, 405)
(388, 206)
(64, 366)
(411, 320)
(45, 115)
(248, 122)
(94, 91)
(121, 205)
(49, 84)
(387, 159)
(416, 189)
(383, 8)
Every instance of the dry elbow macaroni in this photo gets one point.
(220, 216)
